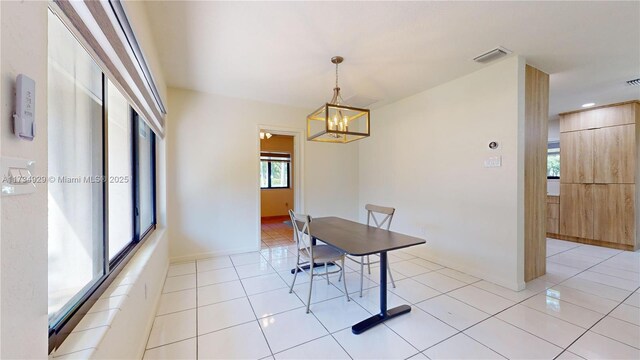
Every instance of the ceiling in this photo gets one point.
(280, 52)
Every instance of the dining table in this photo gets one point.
(358, 239)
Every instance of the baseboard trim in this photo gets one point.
(591, 242)
(205, 255)
(512, 285)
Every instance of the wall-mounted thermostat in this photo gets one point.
(24, 119)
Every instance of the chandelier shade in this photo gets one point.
(337, 124)
(336, 121)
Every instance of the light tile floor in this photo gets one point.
(586, 306)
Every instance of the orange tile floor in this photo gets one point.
(275, 232)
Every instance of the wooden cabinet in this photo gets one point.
(620, 114)
(598, 155)
(613, 213)
(576, 157)
(553, 214)
(576, 210)
(614, 154)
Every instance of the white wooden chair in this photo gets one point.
(309, 254)
(385, 224)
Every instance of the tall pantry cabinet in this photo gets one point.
(598, 172)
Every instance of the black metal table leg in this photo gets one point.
(384, 314)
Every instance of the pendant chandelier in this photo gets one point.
(336, 121)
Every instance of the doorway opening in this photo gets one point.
(278, 179)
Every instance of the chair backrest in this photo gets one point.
(372, 210)
(301, 232)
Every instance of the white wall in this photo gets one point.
(23, 262)
(425, 158)
(212, 152)
(554, 130)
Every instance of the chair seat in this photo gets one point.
(325, 253)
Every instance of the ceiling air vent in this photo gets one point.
(492, 54)
(634, 82)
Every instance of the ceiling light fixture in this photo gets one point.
(335, 121)
(587, 105)
(264, 135)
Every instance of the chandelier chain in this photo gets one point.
(337, 75)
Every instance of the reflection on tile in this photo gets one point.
(279, 329)
(564, 310)
(274, 302)
(547, 327)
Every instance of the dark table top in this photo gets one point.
(359, 239)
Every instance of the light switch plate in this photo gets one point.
(17, 176)
(493, 161)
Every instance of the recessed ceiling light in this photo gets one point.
(588, 105)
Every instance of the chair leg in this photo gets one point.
(326, 272)
(361, 273)
(346, 292)
(295, 275)
(310, 286)
(391, 276)
(369, 264)
(340, 277)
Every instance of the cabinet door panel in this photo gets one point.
(598, 118)
(576, 210)
(576, 157)
(614, 155)
(553, 218)
(614, 213)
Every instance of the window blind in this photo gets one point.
(104, 29)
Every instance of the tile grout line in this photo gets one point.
(314, 315)
(517, 303)
(596, 323)
(445, 293)
(264, 336)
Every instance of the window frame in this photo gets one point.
(82, 302)
(286, 159)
